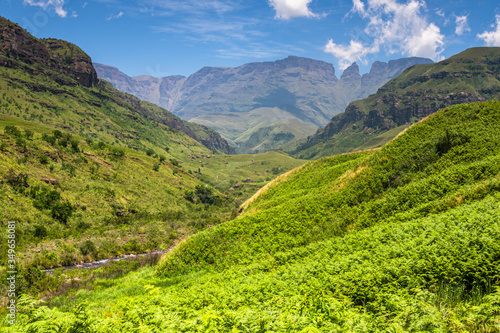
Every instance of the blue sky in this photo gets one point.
(171, 37)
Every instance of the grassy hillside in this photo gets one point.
(401, 239)
(420, 90)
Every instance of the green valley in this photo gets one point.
(393, 226)
(403, 239)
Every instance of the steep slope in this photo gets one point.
(403, 239)
(58, 67)
(473, 75)
(304, 90)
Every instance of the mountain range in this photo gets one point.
(263, 105)
(470, 76)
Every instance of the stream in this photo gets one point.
(99, 263)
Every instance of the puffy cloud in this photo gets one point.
(396, 27)
(56, 5)
(492, 38)
(287, 9)
(462, 25)
(356, 51)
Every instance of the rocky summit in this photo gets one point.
(262, 105)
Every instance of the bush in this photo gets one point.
(29, 134)
(162, 158)
(88, 247)
(40, 231)
(150, 152)
(174, 162)
(117, 152)
(43, 159)
(62, 211)
(156, 167)
(12, 131)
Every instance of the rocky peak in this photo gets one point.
(351, 72)
(19, 48)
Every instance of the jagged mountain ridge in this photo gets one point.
(307, 90)
(67, 65)
(470, 76)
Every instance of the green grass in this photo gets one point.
(401, 239)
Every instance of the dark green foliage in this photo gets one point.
(44, 160)
(62, 211)
(100, 145)
(162, 158)
(18, 181)
(40, 231)
(174, 162)
(156, 167)
(28, 134)
(12, 131)
(150, 152)
(202, 194)
(88, 247)
(117, 152)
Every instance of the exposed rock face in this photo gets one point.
(300, 91)
(471, 76)
(19, 48)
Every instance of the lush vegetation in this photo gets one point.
(402, 239)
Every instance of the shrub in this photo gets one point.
(150, 152)
(174, 162)
(162, 158)
(40, 231)
(156, 167)
(29, 134)
(62, 211)
(49, 139)
(12, 131)
(57, 134)
(117, 152)
(88, 247)
(43, 159)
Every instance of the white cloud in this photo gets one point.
(287, 9)
(356, 51)
(117, 16)
(56, 5)
(492, 38)
(462, 25)
(396, 27)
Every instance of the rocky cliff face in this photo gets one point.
(68, 65)
(19, 49)
(307, 92)
(471, 76)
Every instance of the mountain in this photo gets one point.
(401, 239)
(67, 67)
(301, 92)
(473, 75)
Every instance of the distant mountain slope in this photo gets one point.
(50, 65)
(473, 75)
(306, 90)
